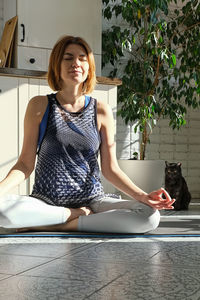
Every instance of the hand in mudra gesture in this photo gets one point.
(156, 200)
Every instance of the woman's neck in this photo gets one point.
(70, 95)
(73, 102)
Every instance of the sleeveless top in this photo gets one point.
(67, 171)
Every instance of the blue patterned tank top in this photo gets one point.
(67, 171)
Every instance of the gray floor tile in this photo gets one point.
(3, 276)
(119, 252)
(76, 269)
(185, 254)
(152, 282)
(35, 288)
(14, 264)
(42, 250)
(72, 268)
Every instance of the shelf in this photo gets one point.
(22, 73)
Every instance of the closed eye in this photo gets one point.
(69, 56)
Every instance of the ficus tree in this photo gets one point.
(156, 53)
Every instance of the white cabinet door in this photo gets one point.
(42, 23)
(23, 98)
(8, 125)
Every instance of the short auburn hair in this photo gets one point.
(56, 57)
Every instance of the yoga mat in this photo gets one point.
(170, 226)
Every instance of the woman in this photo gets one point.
(67, 194)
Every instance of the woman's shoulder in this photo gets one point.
(38, 102)
(37, 106)
(102, 104)
(103, 107)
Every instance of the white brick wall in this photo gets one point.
(174, 146)
(166, 144)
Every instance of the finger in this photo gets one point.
(168, 202)
(161, 201)
(157, 194)
(164, 207)
(161, 191)
(169, 206)
(166, 194)
(160, 205)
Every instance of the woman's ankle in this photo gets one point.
(70, 225)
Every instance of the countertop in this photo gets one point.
(22, 73)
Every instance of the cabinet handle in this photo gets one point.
(23, 32)
(32, 60)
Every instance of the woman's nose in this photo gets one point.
(76, 62)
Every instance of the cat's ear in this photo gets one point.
(179, 164)
(166, 163)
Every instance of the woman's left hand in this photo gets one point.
(155, 199)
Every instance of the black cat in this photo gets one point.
(176, 186)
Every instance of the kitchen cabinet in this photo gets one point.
(42, 23)
(8, 125)
(45, 21)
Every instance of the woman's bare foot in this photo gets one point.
(76, 212)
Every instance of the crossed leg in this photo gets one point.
(109, 215)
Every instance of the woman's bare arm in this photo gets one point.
(111, 170)
(26, 161)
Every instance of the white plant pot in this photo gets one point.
(146, 174)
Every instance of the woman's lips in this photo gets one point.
(76, 72)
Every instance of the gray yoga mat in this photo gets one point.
(184, 225)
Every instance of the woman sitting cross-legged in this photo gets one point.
(67, 194)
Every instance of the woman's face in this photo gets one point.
(74, 65)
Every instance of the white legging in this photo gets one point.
(110, 215)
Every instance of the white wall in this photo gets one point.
(7, 11)
(1, 17)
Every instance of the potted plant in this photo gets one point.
(156, 53)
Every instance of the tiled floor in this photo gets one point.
(100, 269)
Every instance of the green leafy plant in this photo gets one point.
(156, 53)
